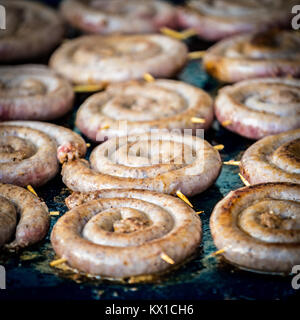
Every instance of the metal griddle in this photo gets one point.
(29, 275)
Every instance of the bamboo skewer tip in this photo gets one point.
(54, 213)
(232, 163)
(183, 198)
(30, 188)
(166, 258)
(245, 181)
(197, 120)
(148, 77)
(57, 262)
(219, 147)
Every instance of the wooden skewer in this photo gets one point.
(196, 55)
(57, 262)
(199, 212)
(232, 163)
(29, 188)
(188, 33)
(148, 77)
(219, 147)
(218, 252)
(183, 198)
(88, 145)
(178, 35)
(246, 183)
(106, 126)
(88, 88)
(166, 258)
(198, 120)
(54, 213)
(226, 123)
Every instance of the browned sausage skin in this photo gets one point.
(24, 218)
(124, 232)
(258, 227)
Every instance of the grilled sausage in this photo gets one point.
(30, 151)
(32, 214)
(260, 107)
(216, 20)
(269, 54)
(33, 92)
(123, 233)
(119, 16)
(258, 227)
(32, 30)
(164, 104)
(273, 159)
(116, 58)
(163, 162)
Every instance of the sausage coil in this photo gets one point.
(29, 151)
(24, 219)
(32, 30)
(162, 162)
(99, 59)
(260, 107)
(163, 104)
(119, 16)
(33, 92)
(268, 54)
(123, 233)
(273, 159)
(258, 227)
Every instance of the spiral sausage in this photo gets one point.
(144, 106)
(258, 227)
(32, 30)
(116, 58)
(273, 159)
(269, 54)
(24, 218)
(215, 20)
(124, 16)
(124, 232)
(33, 92)
(260, 107)
(29, 151)
(162, 162)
